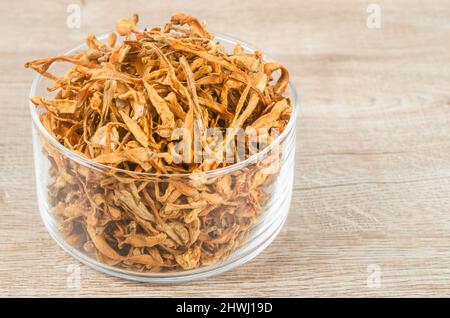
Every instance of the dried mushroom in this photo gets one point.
(123, 104)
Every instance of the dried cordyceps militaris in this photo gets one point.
(119, 105)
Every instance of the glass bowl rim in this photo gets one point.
(293, 95)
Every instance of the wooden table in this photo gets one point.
(371, 205)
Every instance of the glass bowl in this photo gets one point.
(255, 211)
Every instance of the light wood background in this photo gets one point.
(372, 189)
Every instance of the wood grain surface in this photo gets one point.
(372, 184)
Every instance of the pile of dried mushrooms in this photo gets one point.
(118, 105)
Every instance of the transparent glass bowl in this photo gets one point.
(61, 172)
